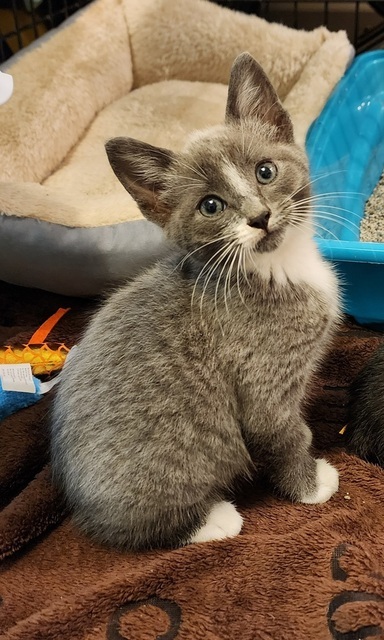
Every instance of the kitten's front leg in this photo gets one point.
(293, 470)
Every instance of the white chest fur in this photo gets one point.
(298, 261)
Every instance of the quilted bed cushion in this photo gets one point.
(155, 70)
(94, 215)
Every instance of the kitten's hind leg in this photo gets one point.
(223, 521)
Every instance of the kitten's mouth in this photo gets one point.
(260, 240)
(270, 241)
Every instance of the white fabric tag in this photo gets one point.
(17, 377)
(70, 355)
(47, 386)
(6, 87)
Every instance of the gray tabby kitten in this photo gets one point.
(193, 375)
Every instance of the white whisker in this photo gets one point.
(307, 204)
(298, 224)
(308, 184)
(217, 239)
(245, 257)
(239, 256)
(211, 271)
(227, 283)
(195, 170)
(217, 290)
(328, 215)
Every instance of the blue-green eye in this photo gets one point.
(212, 205)
(266, 172)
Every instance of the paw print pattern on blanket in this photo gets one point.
(357, 612)
(163, 615)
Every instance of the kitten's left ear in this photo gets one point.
(252, 96)
(142, 168)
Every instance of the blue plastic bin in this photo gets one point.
(346, 151)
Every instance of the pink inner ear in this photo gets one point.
(251, 95)
(284, 126)
(141, 168)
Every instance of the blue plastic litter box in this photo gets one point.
(346, 152)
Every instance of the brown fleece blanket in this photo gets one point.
(296, 572)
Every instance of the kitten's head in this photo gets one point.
(234, 185)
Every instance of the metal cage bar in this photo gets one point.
(363, 19)
(22, 21)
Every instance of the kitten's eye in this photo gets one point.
(266, 172)
(212, 205)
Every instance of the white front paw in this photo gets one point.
(327, 483)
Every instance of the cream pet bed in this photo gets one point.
(151, 69)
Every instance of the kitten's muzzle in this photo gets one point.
(260, 221)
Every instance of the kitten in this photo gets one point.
(365, 428)
(193, 375)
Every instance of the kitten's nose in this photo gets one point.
(261, 221)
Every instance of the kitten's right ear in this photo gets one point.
(141, 169)
(251, 95)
